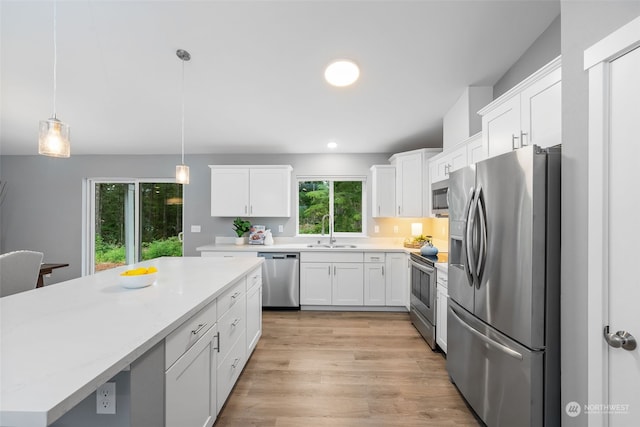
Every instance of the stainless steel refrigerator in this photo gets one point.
(504, 287)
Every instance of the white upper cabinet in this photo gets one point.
(475, 149)
(442, 165)
(253, 191)
(383, 191)
(411, 182)
(529, 113)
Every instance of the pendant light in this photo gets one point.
(54, 135)
(182, 170)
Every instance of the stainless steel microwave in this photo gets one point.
(440, 198)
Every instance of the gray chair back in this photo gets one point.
(19, 271)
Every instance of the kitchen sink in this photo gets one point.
(332, 246)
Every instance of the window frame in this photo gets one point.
(333, 178)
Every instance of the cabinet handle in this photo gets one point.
(235, 363)
(522, 135)
(251, 209)
(235, 322)
(329, 271)
(245, 209)
(513, 141)
(218, 342)
(398, 210)
(235, 295)
(198, 329)
(447, 169)
(378, 210)
(383, 270)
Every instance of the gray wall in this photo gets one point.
(583, 24)
(43, 206)
(543, 50)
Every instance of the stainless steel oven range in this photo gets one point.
(423, 297)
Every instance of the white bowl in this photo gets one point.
(139, 281)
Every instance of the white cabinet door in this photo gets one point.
(501, 127)
(397, 279)
(476, 150)
(229, 192)
(383, 191)
(348, 284)
(441, 318)
(315, 283)
(270, 192)
(190, 385)
(457, 159)
(254, 317)
(438, 168)
(374, 284)
(409, 185)
(541, 113)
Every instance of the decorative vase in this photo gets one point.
(239, 241)
(429, 250)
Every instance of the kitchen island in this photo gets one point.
(59, 343)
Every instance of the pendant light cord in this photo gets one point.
(183, 111)
(55, 55)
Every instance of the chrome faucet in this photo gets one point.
(331, 239)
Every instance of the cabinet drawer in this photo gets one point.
(321, 256)
(254, 278)
(229, 370)
(181, 339)
(231, 325)
(228, 254)
(231, 296)
(374, 257)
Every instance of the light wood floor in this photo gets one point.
(343, 369)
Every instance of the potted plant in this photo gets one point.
(240, 226)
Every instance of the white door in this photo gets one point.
(270, 192)
(229, 192)
(624, 233)
(501, 127)
(374, 284)
(541, 113)
(614, 362)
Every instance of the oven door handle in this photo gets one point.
(422, 268)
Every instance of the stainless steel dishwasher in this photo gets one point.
(280, 280)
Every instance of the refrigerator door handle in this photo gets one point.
(482, 221)
(503, 348)
(468, 267)
(472, 255)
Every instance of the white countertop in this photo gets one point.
(297, 247)
(60, 342)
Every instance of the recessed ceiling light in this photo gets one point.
(342, 73)
(332, 145)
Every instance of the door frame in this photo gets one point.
(597, 61)
(89, 213)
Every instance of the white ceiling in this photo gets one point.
(255, 81)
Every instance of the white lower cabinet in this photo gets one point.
(205, 355)
(374, 283)
(397, 279)
(190, 382)
(347, 284)
(254, 311)
(354, 279)
(442, 301)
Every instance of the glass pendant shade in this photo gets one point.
(54, 138)
(182, 174)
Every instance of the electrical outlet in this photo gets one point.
(195, 228)
(106, 399)
(376, 228)
(281, 228)
(395, 228)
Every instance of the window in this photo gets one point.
(131, 220)
(340, 198)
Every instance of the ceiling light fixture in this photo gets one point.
(54, 135)
(182, 170)
(332, 145)
(342, 73)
